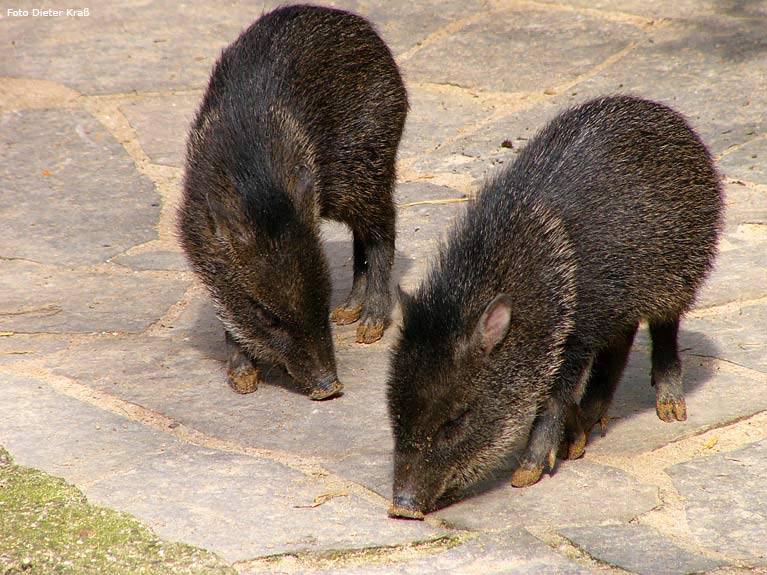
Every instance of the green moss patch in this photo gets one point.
(48, 527)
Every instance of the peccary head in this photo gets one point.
(453, 414)
(252, 237)
(478, 350)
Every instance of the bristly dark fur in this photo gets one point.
(301, 120)
(608, 217)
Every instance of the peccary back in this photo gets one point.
(609, 216)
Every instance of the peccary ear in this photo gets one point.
(494, 323)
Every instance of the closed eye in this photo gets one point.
(266, 316)
(454, 428)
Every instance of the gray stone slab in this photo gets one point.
(438, 115)
(16, 347)
(521, 50)
(745, 204)
(242, 508)
(740, 269)
(42, 299)
(124, 47)
(136, 46)
(237, 506)
(713, 398)
(567, 497)
(68, 438)
(68, 183)
(699, 67)
(726, 501)
(738, 336)
(406, 26)
(157, 260)
(638, 549)
(173, 377)
(657, 8)
(508, 552)
(748, 162)
(421, 227)
(482, 152)
(162, 124)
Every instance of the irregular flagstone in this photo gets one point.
(748, 162)
(16, 347)
(156, 260)
(713, 397)
(439, 114)
(62, 200)
(745, 204)
(406, 27)
(508, 552)
(579, 492)
(67, 438)
(129, 46)
(173, 377)
(421, 226)
(679, 67)
(738, 336)
(638, 549)
(489, 148)
(740, 262)
(557, 48)
(135, 46)
(237, 506)
(243, 508)
(726, 501)
(162, 124)
(40, 299)
(655, 9)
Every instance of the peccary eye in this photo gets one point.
(453, 428)
(266, 316)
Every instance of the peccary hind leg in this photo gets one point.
(241, 374)
(667, 371)
(370, 298)
(605, 375)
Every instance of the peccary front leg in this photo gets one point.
(370, 298)
(375, 313)
(241, 374)
(351, 309)
(667, 371)
(545, 437)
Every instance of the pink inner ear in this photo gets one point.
(495, 322)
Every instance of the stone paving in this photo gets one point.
(111, 359)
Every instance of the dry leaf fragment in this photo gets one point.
(322, 498)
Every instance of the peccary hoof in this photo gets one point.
(370, 333)
(243, 379)
(524, 477)
(399, 512)
(345, 315)
(326, 390)
(573, 447)
(672, 410)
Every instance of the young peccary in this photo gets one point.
(608, 217)
(301, 120)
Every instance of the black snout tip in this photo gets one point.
(327, 388)
(405, 508)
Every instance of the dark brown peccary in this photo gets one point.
(609, 216)
(301, 121)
